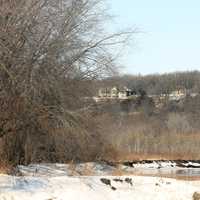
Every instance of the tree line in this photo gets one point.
(157, 83)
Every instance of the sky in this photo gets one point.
(168, 38)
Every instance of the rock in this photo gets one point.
(129, 180)
(113, 188)
(106, 181)
(196, 196)
(118, 180)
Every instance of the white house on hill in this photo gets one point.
(115, 92)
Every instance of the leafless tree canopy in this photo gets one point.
(43, 42)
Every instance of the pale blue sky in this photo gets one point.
(169, 38)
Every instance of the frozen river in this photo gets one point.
(174, 169)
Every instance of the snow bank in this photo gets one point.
(65, 169)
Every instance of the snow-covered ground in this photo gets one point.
(55, 182)
(95, 188)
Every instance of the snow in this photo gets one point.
(85, 187)
(155, 164)
(192, 164)
(55, 182)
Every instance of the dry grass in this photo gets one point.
(72, 168)
(87, 171)
(140, 138)
(124, 156)
(5, 167)
(117, 172)
(196, 196)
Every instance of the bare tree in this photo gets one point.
(48, 50)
